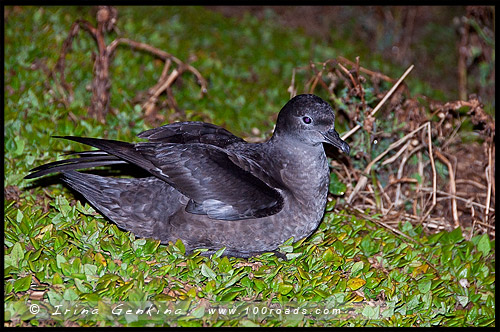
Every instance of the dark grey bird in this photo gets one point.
(210, 188)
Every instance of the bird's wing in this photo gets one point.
(219, 183)
(179, 132)
(216, 185)
(191, 132)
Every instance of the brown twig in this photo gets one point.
(459, 198)
(453, 189)
(434, 175)
(106, 18)
(489, 175)
(471, 182)
(366, 71)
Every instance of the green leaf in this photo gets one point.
(424, 286)
(9, 286)
(356, 267)
(229, 296)
(208, 272)
(224, 265)
(463, 300)
(16, 254)
(90, 270)
(19, 216)
(33, 99)
(248, 323)
(19, 146)
(81, 286)
(330, 205)
(355, 283)
(370, 312)
(464, 271)
(328, 255)
(62, 205)
(336, 187)
(180, 246)
(151, 246)
(56, 279)
(23, 284)
(198, 312)
(219, 252)
(285, 288)
(70, 295)
(484, 245)
(369, 245)
(372, 282)
(454, 236)
(139, 243)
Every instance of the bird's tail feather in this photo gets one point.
(111, 153)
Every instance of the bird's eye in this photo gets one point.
(306, 119)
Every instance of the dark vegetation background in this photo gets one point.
(401, 269)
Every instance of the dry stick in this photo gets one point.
(473, 216)
(485, 225)
(315, 82)
(172, 103)
(434, 175)
(61, 62)
(466, 193)
(163, 76)
(348, 73)
(363, 179)
(492, 178)
(396, 156)
(384, 194)
(400, 172)
(375, 110)
(403, 179)
(453, 188)
(448, 196)
(471, 182)
(452, 136)
(395, 230)
(323, 84)
(366, 71)
(148, 105)
(319, 79)
(489, 175)
(420, 166)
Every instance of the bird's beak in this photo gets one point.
(333, 138)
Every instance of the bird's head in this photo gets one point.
(310, 120)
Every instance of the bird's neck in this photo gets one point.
(303, 168)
